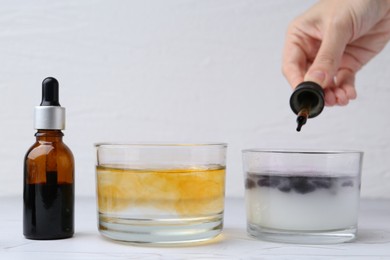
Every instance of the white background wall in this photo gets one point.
(173, 70)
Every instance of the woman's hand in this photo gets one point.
(330, 42)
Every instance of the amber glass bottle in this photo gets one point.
(48, 193)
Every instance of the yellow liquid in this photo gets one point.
(186, 192)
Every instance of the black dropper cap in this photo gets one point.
(50, 92)
(49, 114)
(307, 101)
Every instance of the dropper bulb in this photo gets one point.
(50, 92)
(307, 101)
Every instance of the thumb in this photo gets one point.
(328, 58)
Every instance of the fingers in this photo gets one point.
(339, 89)
(294, 74)
(345, 82)
(342, 89)
(294, 62)
(330, 97)
(328, 58)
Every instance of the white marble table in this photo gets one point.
(373, 241)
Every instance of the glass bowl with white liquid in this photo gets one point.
(309, 197)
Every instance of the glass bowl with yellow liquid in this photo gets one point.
(160, 193)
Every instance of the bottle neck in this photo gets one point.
(49, 135)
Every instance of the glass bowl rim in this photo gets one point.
(158, 144)
(301, 151)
